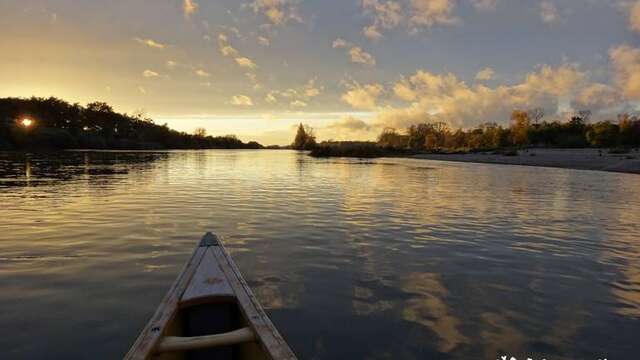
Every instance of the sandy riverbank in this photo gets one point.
(585, 159)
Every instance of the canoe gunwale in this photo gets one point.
(266, 335)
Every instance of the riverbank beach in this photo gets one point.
(581, 159)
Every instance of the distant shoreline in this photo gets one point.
(579, 159)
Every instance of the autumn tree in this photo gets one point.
(390, 139)
(520, 128)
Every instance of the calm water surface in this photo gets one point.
(383, 259)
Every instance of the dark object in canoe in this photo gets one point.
(210, 313)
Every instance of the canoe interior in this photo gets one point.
(215, 317)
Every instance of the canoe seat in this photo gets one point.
(174, 343)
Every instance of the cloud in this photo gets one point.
(360, 56)
(241, 100)
(356, 54)
(426, 13)
(150, 74)
(224, 47)
(559, 81)
(349, 128)
(372, 33)
(252, 77)
(264, 41)
(485, 74)
(271, 98)
(228, 51)
(142, 90)
(150, 43)
(418, 14)
(189, 7)
(626, 65)
(278, 12)
(549, 12)
(387, 15)
(202, 73)
(246, 63)
(171, 64)
(340, 44)
(444, 97)
(596, 97)
(363, 97)
(485, 5)
(298, 97)
(349, 123)
(634, 17)
(311, 89)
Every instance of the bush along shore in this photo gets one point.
(38, 123)
(525, 131)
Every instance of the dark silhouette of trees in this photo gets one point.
(535, 115)
(200, 132)
(305, 138)
(58, 124)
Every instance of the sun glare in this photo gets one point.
(26, 122)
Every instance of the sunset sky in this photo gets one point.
(347, 67)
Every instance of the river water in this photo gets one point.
(352, 259)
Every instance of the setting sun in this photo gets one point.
(26, 122)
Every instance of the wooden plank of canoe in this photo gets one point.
(271, 341)
(145, 344)
(207, 282)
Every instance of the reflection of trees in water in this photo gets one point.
(97, 168)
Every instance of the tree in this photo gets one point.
(390, 139)
(62, 125)
(200, 132)
(535, 114)
(603, 134)
(305, 138)
(520, 127)
(98, 106)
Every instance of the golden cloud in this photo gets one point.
(277, 11)
(246, 63)
(150, 43)
(363, 97)
(485, 74)
(359, 56)
(241, 100)
(150, 74)
(189, 7)
(431, 12)
(626, 65)
(444, 97)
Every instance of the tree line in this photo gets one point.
(525, 129)
(54, 123)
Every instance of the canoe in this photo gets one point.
(210, 313)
